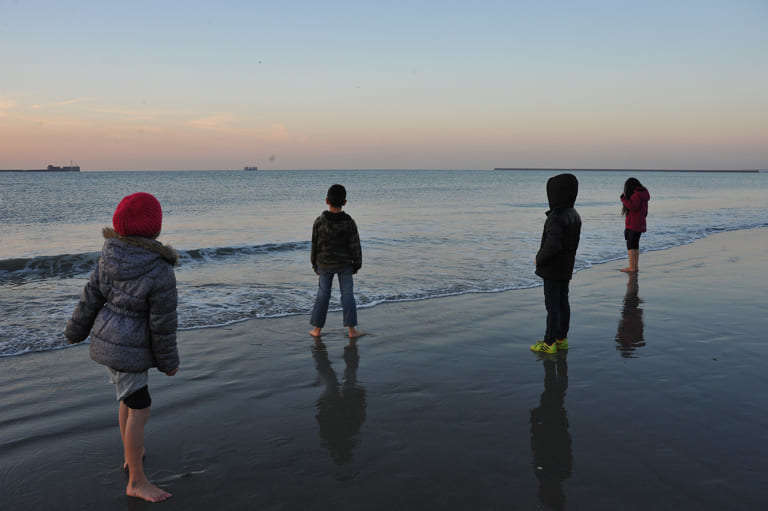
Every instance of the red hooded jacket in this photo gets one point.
(637, 204)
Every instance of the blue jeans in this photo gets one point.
(320, 310)
(558, 310)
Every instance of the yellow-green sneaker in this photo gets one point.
(562, 344)
(543, 347)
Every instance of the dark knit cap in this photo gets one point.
(138, 214)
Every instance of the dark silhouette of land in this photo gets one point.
(752, 171)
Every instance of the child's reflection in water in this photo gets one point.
(341, 407)
(629, 335)
(550, 440)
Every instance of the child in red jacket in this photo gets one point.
(634, 208)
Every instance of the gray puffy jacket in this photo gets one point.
(129, 306)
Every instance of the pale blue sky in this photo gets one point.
(385, 84)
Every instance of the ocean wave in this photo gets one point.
(21, 270)
(63, 265)
(216, 253)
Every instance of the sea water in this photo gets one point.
(244, 237)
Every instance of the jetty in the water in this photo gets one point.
(752, 171)
(50, 168)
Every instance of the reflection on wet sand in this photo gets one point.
(550, 440)
(341, 407)
(630, 332)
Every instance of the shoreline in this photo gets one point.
(581, 274)
(379, 303)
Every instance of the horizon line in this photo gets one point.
(353, 169)
(525, 169)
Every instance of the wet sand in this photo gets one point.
(658, 405)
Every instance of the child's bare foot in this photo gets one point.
(315, 332)
(354, 333)
(628, 270)
(147, 491)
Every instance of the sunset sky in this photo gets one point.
(443, 84)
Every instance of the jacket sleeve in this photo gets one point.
(634, 203)
(552, 242)
(313, 255)
(163, 320)
(91, 302)
(354, 249)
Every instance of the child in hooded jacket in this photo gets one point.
(556, 258)
(128, 308)
(634, 207)
(335, 251)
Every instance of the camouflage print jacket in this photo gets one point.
(335, 243)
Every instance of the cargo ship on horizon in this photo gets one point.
(50, 168)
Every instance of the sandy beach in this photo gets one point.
(658, 404)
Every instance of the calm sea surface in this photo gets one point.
(244, 237)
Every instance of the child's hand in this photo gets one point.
(172, 372)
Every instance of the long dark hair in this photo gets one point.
(630, 185)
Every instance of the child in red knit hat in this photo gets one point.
(128, 308)
(139, 214)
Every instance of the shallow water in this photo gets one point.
(244, 237)
(442, 407)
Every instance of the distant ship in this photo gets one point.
(250, 168)
(50, 168)
(66, 168)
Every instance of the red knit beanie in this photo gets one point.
(138, 214)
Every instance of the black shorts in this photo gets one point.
(633, 239)
(139, 399)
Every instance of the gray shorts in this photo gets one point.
(127, 383)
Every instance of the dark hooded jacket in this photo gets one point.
(129, 306)
(335, 243)
(562, 230)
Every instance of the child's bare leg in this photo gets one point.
(633, 256)
(123, 418)
(628, 268)
(133, 443)
(354, 333)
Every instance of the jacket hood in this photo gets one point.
(562, 191)
(335, 217)
(128, 257)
